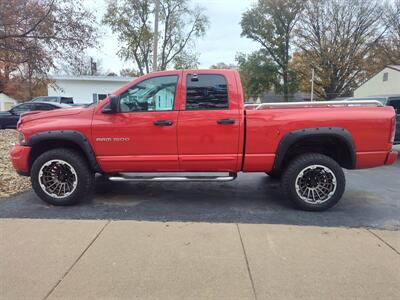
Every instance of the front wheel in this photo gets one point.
(314, 182)
(62, 177)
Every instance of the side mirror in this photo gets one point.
(113, 105)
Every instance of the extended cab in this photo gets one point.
(195, 121)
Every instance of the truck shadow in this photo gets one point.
(252, 198)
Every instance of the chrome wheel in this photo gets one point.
(57, 178)
(316, 184)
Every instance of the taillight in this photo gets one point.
(393, 130)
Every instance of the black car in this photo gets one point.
(9, 119)
(54, 99)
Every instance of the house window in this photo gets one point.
(99, 97)
(385, 76)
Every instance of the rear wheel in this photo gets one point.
(314, 182)
(62, 177)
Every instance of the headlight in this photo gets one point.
(21, 138)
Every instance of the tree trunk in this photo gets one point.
(286, 85)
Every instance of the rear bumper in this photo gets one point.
(20, 159)
(391, 157)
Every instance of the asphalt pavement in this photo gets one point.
(372, 200)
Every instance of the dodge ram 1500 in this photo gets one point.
(195, 121)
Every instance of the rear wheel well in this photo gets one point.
(332, 146)
(47, 145)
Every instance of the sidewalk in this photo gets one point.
(60, 259)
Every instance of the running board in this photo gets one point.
(129, 177)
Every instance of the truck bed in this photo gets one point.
(270, 122)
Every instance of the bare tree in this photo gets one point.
(335, 38)
(391, 45)
(180, 26)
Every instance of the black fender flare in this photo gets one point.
(73, 136)
(292, 137)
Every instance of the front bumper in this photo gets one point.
(20, 159)
(391, 157)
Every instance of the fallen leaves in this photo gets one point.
(10, 181)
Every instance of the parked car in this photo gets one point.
(54, 99)
(388, 100)
(196, 121)
(9, 119)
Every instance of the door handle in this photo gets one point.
(163, 123)
(226, 121)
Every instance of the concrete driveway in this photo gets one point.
(77, 259)
(372, 199)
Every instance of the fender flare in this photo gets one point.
(292, 137)
(73, 136)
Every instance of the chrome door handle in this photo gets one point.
(226, 121)
(163, 123)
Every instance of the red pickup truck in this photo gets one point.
(195, 121)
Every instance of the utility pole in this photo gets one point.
(155, 41)
(312, 84)
(93, 67)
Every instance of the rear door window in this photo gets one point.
(206, 92)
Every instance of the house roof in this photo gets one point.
(92, 78)
(394, 67)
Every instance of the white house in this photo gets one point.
(6, 102)
(86, 89)
(386, 82)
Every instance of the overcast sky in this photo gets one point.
(221, 43)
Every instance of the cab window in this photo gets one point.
(154, 94)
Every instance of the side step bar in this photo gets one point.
(129, 177)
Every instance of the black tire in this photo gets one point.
(85, 176)
(300, 163)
